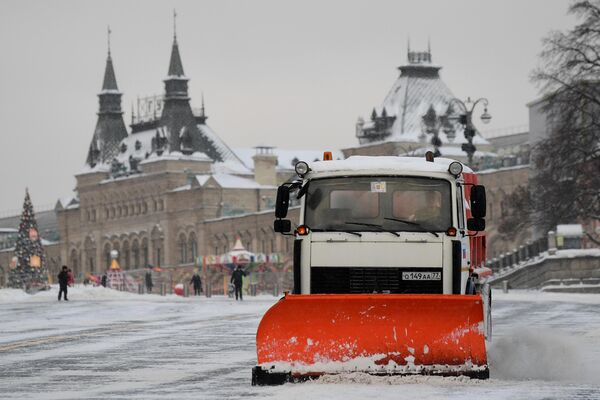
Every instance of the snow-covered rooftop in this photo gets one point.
(285, 157)
(569, 230)
(228, 181)
(418, 88)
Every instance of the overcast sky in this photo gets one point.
(291, 74)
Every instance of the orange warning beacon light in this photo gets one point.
(327, 156)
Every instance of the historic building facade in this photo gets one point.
(167, 191)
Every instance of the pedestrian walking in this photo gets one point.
(237, 280)
(63, 282)
(197, 283)
(148, 277)
(103, 280)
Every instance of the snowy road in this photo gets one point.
(110, 345)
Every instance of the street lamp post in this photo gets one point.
(465, 118)
(432, 123)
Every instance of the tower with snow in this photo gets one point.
(396, 127)
(110, 128)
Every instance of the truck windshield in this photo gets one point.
(371, 203)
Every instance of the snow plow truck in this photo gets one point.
(388, 267)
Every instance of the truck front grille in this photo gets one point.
(340, 280)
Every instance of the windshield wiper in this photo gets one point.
(381, 228)
(414, 224)
(337, 230)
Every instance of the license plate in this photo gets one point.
(421, 276)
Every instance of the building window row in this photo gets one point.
(127, 210)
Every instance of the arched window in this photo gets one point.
(182, 243)
(192, 247)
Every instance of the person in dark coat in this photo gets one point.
(149, 284)
(103, 280)
(237, 280)
(63, 282)
(197, 283)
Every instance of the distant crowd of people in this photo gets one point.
(66, 279)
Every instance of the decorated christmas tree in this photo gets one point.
(28, 267)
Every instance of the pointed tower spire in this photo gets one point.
(110, 81)
(110, 128)
(175, 64)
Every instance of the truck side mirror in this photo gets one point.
(283, 201)
(476, 224)
(478, 204)
(282, 225)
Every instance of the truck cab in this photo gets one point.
(397, 225)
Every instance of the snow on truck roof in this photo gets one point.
(382, 164)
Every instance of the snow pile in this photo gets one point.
(13, 295)
(367, 379)
(369, 363)
(99, 293)
(542, 354)
(75, 294)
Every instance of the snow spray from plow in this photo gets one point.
(303, 337)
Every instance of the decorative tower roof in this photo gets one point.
(417, 89)
(110, 81)
(176, 83)
(167, 126)
(110, 128)
(175, 65)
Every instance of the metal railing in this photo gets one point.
(522, 254)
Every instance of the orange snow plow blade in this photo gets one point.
(305, 336)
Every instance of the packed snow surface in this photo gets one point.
(104, 344)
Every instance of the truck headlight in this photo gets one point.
(302, 168)
(455, 168)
